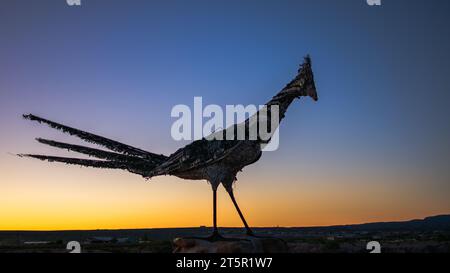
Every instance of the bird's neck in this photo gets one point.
(269, 117)
(282, 101)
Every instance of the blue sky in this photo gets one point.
(118, 67)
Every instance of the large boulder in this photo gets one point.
(239, 244)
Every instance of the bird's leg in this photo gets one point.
(230, 192)
(215, 230)
(215, 236)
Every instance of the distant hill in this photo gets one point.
(438, 222)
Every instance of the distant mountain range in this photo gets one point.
(438, 222)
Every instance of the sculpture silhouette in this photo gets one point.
(216, 161)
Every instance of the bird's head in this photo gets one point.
(303, 84)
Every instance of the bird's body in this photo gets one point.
(220, 160)
(216, 160)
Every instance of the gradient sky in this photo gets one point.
(375, 147)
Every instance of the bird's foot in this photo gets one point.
(250, 233)
(216, 237)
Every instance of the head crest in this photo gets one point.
(306, 63)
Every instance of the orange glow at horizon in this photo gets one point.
(66, 198)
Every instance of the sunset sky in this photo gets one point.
(375, 147)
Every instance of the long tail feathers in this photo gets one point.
(99, 140)
(92, 152)
(137, 168)
(77, 161)
(124, 157)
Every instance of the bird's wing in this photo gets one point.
(198, 154)
(99, 140)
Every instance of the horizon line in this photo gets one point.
(229, 227)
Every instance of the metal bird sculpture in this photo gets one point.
(216, 161)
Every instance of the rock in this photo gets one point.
(241, 244)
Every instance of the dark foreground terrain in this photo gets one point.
(429, 235)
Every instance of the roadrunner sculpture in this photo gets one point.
(214, 160)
